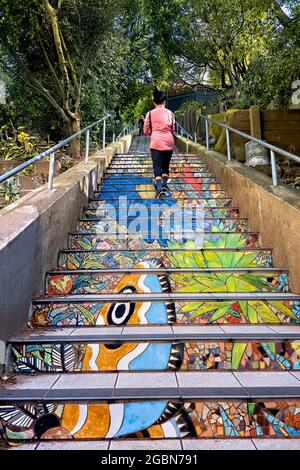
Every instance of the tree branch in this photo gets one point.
(51, 68)
(61, 58)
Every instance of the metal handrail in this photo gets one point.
(273, 149)
(51, 151)
(182, 130)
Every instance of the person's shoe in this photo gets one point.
(165, 186)
(160, 194)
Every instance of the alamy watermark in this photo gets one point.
(154, 219)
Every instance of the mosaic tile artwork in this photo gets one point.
(231, 312)
(207, 258)
(142, 356)
(205, 186)
(208, 225)
(144, 241)
(153, 204)
(157, 210)
(150, 194)
(91, 283)
(152, 419)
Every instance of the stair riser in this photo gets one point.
(136, 242)
(69, 284)
(153, 208)
(108, 187)
(242, 418)
(160, 211)
(186, 312)
(129, 356)
(125, 180)
(151, 195)
(218, 225)
(183, 259)
(149, 173)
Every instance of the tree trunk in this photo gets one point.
(75, 144)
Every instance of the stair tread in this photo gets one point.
(158, 333)
(213, 296)
(167, 270)
(151, 385)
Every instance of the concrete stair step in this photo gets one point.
(146, 276)
(170, 348)
(92, 241)
(171, 257)
(182, 308)
(151, 404)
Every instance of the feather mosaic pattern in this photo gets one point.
(152, 419)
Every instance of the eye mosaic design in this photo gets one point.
(188, 355)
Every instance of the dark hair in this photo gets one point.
(159, 97)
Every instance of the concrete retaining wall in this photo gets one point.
(35, 228)
(272, 211)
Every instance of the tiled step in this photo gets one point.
(165, 210)
(222, 225)
(155, 309)
(148, 168)
(124, 180)
(109, 186)
(146, 155)
(150, 194)
(136, 241)
(147, 276)
(151, 405)
(155, 348)
(146, 172)
(156, 206)
(171, 257)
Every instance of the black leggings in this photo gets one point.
(161, 161)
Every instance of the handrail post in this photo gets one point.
(228, 145)
(207, 134)
(274, 169)
(104, 134)
(195, 137)
(114, 137)
(87, 146)
(51, 171)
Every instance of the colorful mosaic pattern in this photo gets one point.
(231, 312)
(91, 283)
(164, 212)
(154, 204)
(140, 242)
(218, 258)
(207, 225)
(152, 419)
(150, 194)
(143, 356)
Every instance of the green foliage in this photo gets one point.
(189, 106)
(16, 144)
(9, 191)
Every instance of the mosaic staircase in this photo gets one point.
(149, 331)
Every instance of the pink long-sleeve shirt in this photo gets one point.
(161, 128)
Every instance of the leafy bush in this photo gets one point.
(9, 191)
(16, 144)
